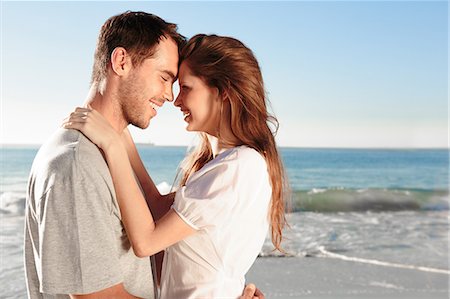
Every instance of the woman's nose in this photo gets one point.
(178, 101)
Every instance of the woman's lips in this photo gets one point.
(187, 115)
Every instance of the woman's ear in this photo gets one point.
(120, 61)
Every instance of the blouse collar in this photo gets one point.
(216, 149)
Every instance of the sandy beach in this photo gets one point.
(326, 278)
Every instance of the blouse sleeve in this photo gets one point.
(205, 199)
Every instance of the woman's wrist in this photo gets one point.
(114, 146)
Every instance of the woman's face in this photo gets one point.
(199, 103)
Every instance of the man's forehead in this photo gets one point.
(166, 52)
(167, 46)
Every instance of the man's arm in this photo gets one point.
(251, 292)
(77, 237)
(117, 291)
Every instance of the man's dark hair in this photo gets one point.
(138, 32)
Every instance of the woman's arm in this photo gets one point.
(159, 204)
(146, 236)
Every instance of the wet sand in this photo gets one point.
(328, 278)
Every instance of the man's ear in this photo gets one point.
(120, 61)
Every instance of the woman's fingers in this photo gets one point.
(83, 115)
(80, 112)
(77, 121)
(77, 117)
(73, 125)
(93, 125)
(82, 109)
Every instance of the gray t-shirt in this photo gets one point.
(75, 242)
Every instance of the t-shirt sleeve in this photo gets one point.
(78, 250)
(205, 200)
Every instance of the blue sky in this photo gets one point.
(338, 74)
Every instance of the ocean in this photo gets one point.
(383, 207)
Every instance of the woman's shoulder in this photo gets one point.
(240, 155)
(248, 156)
(231, 161)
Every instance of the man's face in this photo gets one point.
(149, 85)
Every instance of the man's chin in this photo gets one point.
(141, 125)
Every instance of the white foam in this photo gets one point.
(164, 188)
(317, 191)
(12, 203)
(329, 254)
(386, 285)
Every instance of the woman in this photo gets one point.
(232, 185)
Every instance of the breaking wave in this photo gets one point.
(360, 200)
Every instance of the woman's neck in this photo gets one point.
(223, 138)
(219, 145)
(215, 146)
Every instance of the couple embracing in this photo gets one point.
(94, 215)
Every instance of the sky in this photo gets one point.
(356, 74)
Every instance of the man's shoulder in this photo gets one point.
(66, 149)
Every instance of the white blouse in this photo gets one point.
(227, 202)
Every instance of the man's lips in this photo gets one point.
(156, 104)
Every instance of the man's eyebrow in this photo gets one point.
(170, 74)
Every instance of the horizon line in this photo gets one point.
(12, 145)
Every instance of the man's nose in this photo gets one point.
(168, 94)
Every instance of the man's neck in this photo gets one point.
(105, 102)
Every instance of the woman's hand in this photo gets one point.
(93, 125)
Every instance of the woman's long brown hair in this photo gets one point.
(228, 65)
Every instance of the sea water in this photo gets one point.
(366, 205)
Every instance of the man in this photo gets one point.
(75, 243)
